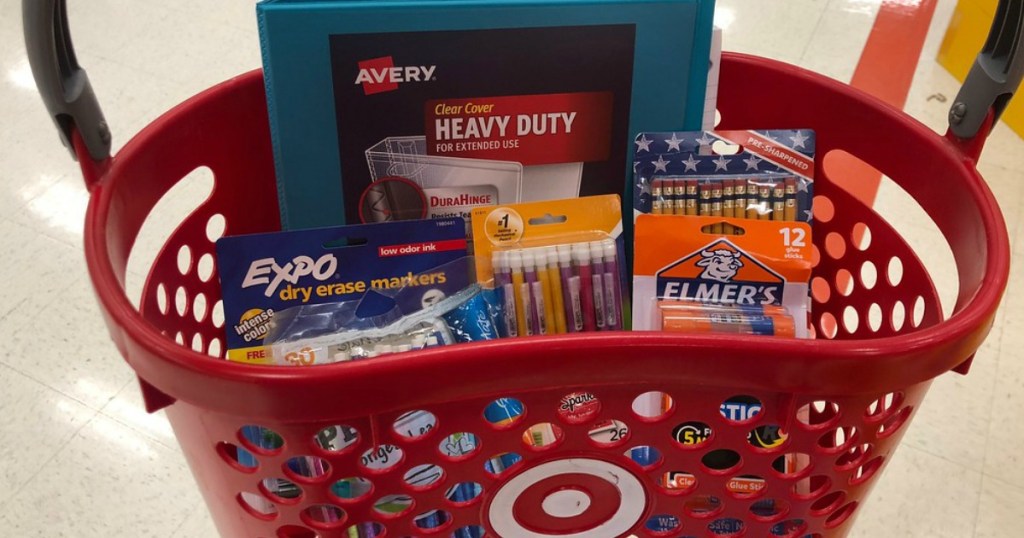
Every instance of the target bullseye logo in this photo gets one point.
(571, 498)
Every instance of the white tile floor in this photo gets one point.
(958, 473)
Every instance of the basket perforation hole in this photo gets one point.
(828, 503)
(459, 446)
(829, 325)
(882, 406)
(746, 486)
(703, 506)
(811, 487)
(161, 298)
(260, 439)
(791, 528)
(184, 260)
(841, 515)
(470, 531)
(721, 461)
(647, 457)
(543, 436)
(205, 267)
(653, 406)
(338, 438)
(894, 423)
(851, 319)
(837, 440)
(307, 468)
(414, 425)
(740, 409)
(767, 438)
(609, 433)
(217, 314)
(853, 457)
(844, 282)
(215, 349)
(769, 510)
(432, 522)
(504, 413)
(815, 255)
(180, 338)
(197, 343)
(393, 506)
(692, 434)
(369, 529)
(464, 493)
(727, 527)
(875, 317)
(323, 516)
(677, 482)
(820, 290)
(381, 459)
(823, 209)
(868, 275)
(238, 457)
(792, 464)
(818, 414)
(215, 227)
(661, 524)
(257, 506)
(181, 301)
(281, 490)
(423, 477)
(919, 310)
(860, 238)
(899, 316)
(835, 245)
(578, 408)
(352, 489)
(894, 271)
(866, 471)
(199, 309)
(499, 464)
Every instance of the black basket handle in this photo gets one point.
(64, 85)
(995, 75)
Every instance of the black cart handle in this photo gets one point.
(64, 85)
(995, 75)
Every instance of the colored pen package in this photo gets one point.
(749, 175)
(263, 274)
(690, 278)
(559, 264)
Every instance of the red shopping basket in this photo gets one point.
(599, 435)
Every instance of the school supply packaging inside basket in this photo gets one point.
(559, 264)
(429, 108)
(263, 274)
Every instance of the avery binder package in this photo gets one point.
(395, 110)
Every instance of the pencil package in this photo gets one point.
(559, 264)
(749, 175)
(690, 278)
(265, 274)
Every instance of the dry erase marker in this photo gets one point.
(570, 290)
(779, 201)
(534, 294)
(557, 298)
(691, 197)
(540, 255)
(657, 196)
(791, 199)
(597, 283)
(679, 208)
(515, 266)
(612, 294)
(503, 280)
(581, 255)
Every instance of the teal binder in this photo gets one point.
(348, 81)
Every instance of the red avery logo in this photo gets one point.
(379, 75)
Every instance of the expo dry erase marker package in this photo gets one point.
(263, 274)
(406, 109)
(751, 175)
(690, 278)
(559, 263)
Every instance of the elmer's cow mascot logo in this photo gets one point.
(720, 273)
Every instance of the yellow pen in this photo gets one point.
(515, 265)
(554, 277)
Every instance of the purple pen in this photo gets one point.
(612, 291)
(536, 309)
(570, 295)
(503, 280)
(597, 279)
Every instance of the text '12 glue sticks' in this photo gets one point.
(558, 263)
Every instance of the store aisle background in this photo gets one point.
(82, 459)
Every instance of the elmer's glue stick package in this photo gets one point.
(265, 274)
(559, 264)
(689, 278)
